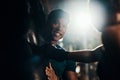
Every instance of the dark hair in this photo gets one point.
(57, 13)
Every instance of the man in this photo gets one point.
(55, 29)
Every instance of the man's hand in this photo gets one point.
(50, 73)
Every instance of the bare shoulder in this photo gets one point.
(113, 28)
(114, 33)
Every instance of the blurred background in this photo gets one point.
(87, 18)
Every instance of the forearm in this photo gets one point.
(87, 56)
(82, 56)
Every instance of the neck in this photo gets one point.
(54, 43)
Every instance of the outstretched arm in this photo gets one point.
(87, 56)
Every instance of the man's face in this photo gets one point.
(59, 27)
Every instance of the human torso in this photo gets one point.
(108, 67)
(60, 67)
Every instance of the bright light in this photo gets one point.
(85, 17)
(86, 13)
(80, 21)
(77, 70)
(80, 16)
(98, 14)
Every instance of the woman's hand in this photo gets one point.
(50, 73)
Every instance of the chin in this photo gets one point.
(56, 39)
